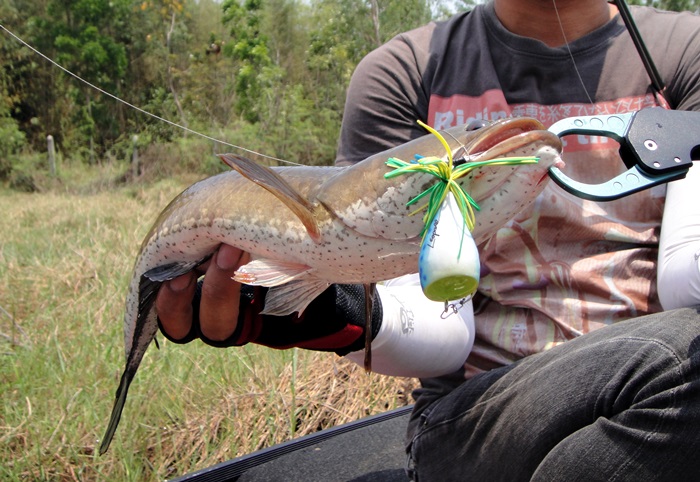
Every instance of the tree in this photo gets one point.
(249, 47)
(674, 5)
(272, 70)
(87, 37)
(13, 65)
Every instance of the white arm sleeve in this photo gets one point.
(414, 340)
(678, 277)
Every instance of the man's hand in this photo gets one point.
(334, 321)
(218, 309)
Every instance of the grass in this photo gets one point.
(65, 262)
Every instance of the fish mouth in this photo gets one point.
(544, 178)
(507, 137)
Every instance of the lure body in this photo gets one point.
(308, 227)
(448, 264)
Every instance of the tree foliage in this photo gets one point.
(266, 74)
(674, 5)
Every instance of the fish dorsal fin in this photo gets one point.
(275, 184)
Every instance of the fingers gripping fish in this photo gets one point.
(308, 227)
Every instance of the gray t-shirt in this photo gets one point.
(565, 266)
(472, 55)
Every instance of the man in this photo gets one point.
(567, 379)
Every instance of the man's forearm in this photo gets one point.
(415, 340)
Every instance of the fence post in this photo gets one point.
(134, 156)
(52, 155)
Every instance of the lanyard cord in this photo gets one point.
(656, 80)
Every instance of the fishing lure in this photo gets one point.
(446, 273)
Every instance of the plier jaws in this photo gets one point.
(657, 146)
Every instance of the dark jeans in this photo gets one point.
(621, 403)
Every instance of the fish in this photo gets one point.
(307, 227)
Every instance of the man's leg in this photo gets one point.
(621, 403)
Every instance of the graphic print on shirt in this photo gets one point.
(549, 282)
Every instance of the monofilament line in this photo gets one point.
(568, 48)
(139, 109)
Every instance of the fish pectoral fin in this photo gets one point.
(267, 178)
(293, 296)
(292, 285)
(269, 272)
(166, 272)
(153, 278)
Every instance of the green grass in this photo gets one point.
(65, 262)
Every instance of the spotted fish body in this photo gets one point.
(308, 227)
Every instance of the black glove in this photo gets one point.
(333, 321)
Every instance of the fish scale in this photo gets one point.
(308, 227)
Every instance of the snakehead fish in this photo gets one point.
(308, 227)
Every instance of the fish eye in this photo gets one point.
(475, 124)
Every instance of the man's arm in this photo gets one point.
(386, 97)
(678, 270)
(678, 277)
(418, 337)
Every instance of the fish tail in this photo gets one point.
(119, 402)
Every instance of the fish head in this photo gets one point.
(379, 207)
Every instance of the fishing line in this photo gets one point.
(139, 109)
(571, 54)
(459, 143)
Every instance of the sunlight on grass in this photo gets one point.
(65, 262)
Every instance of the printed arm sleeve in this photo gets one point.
(415, 340)
(678, 277)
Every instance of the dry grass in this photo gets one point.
(65, 260)
(330, 392)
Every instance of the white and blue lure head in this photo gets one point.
(448, 264)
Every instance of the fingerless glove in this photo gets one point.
(334, 321)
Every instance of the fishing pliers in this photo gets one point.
(657, 146)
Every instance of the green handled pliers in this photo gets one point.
(656, 145)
